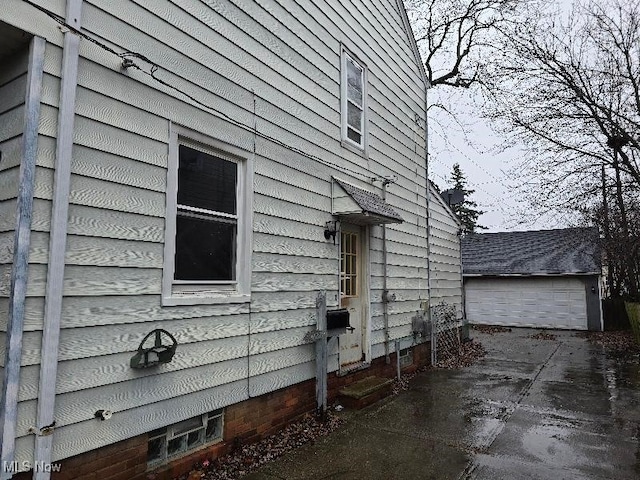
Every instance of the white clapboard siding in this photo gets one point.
(91, 372)
(274, 361)
(347, 152)
(147, 390)
(129, 423)
(268, 382)
(76, 343)
(445, 262)
(9, 181)
(272, 66)
(11, 152)
(13, 81)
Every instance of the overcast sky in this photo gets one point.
(491, 170)
(478, 152)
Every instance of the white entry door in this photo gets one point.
(354, 293)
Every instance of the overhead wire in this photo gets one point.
(128, 57)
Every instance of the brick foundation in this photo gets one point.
(126, 460)
(245, 422)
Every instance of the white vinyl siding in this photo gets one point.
(273, 66)
(444, 254)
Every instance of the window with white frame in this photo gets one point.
(207, 223)
(353, 101)
(181, 438)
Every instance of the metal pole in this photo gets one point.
(321, 354)
(607, 234)
(57, 244)
(22, 238)
(397, 344)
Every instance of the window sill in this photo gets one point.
(362, 151)
(202, 299)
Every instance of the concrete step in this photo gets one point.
(365, 392)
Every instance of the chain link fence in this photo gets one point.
(445, 333)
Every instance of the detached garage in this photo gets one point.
(542, 279)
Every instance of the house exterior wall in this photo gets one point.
(13, 87)
(444, 257)
(271, 72)
(13, 82)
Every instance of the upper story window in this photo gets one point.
(353, 96)
(207, 246)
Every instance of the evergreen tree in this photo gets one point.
(467, 211)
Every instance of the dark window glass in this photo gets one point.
(176, 445)
(206, 182)
(155, 449)
(354, 116)
(194, 438)
(355, 136)
(214, 428)
(205, 248)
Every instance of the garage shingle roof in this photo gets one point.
(540, 252)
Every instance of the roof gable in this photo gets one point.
(541, 252)
(434, 196)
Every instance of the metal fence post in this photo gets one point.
(321, 353)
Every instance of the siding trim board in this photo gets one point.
(58, 238)
(15, 321)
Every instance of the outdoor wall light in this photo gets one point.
(159, 353)
(331, 229)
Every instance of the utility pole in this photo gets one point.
(607, 234)
(617, 142)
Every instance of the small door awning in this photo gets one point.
(361, 207)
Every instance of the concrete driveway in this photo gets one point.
(531, 409)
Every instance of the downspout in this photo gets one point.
(385, 291)
(22, 236)
(428, 199)
(57, 244)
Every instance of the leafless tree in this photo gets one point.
(457, 37)
(567, 86)
(570, 91)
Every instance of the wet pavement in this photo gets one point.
(531, 409)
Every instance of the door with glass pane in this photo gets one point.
(353, 292)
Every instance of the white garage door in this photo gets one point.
(527, 302)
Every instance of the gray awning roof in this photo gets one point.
(361, 207)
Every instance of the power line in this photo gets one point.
(467, 156)
(127, 57)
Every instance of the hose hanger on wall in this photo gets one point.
(158, 354)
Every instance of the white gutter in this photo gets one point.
(57, 244)
(18, 290)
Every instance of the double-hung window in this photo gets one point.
(207, 225)
(353, 96)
